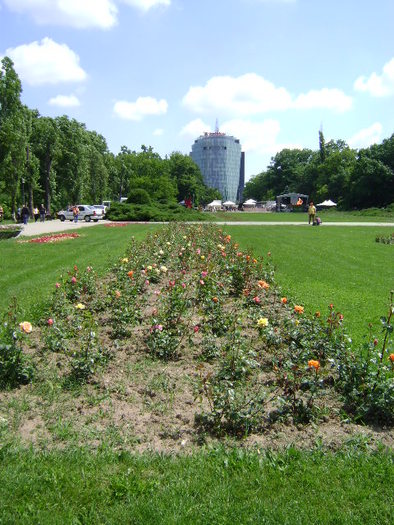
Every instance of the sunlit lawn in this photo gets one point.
(319, 266)
(314, 266)
(29, 271)
(325, 215)
(216, 487)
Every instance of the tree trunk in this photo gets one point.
(48, 185)
(31, 204)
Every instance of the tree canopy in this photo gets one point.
(354, 179)
(58, 161)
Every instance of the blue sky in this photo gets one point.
(160, 72)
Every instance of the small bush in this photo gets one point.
(138, 196)
(153, 213)
(9, 231)
(15, 368)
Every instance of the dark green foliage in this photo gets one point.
(7, 232)
(138, 196)
(352, 179)
(154, 213)
(15, 368)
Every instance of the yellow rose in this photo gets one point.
(262, 322)
(26, 327)
(80, 306)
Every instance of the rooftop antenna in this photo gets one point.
(217, 126)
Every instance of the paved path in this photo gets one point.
(39, 228)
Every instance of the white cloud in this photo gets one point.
(46, 62)
(251, 94)
(195, 128)
(378, 85)
(64, 101)
(325, 98)
(254, 136)
(158, 132)
(367, 136)
(145, 5)
(244, 95)
(74, 13)
(142, 107)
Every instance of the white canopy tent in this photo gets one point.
(229, 204)
(215, 205)
(328, 203)
(250, 202)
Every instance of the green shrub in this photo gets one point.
(138, 196)
(153, 213)
(9, 231)
(15, 368)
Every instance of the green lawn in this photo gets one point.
(315, 267)
(217, 487)
(326, 216)
(319, 266)
(29, 271)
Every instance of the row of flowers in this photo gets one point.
(192, 291)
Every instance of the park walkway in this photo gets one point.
(40, 228)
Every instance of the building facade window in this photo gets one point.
(221, 162)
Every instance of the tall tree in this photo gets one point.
(45, 145)
(72, 161)
(13, 131)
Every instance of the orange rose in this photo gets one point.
(391, 358)
(130, 274)
(299, 309)
(215, 299)
(314, 364)
(284, 300)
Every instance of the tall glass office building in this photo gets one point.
(222, 163)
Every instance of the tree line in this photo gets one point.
(353, 178)
(57, 161)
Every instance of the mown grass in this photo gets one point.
(319, 266)
(29, 271)
(315, 266)
(219, 487)
(325, 215)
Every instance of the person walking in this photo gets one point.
(1, 213)
(25, 214)
(311, 213)
(36, 214)
(75, 213)
(42, 213)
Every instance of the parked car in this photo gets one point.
(86, 213)
(101, 207)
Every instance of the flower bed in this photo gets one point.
(188, 339)
(54, 238)
(117, 224)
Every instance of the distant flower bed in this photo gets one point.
(116, 224)
(389, 239)
(54, 238)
